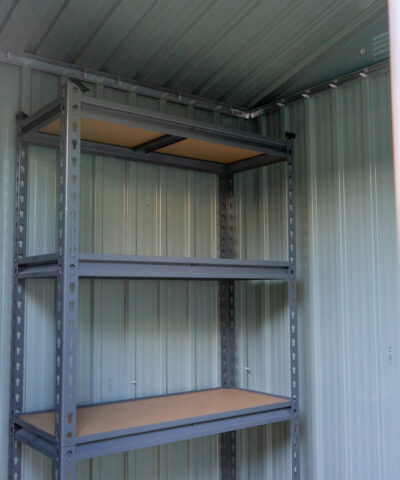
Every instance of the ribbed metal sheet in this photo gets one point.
(348, 289)
(9, 99)
(229, 50)
(262, 318)
(348, 284)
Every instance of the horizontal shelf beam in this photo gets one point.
(254, 162)
(38, 266)
(36, 441)
(158, 143)
(42, 117)
(132, 266)
(177, 434)
(38, 271)
(33, 260)
(179, 268)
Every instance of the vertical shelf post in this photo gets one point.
(18, 303)
(294, 384)
(67, 284)
(227, 318)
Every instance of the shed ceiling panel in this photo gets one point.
(241, 53)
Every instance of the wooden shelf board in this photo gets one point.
(213, 152)
(107, 132)
(98, 419)
(127, 136)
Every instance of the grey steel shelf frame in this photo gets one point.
(68, 265)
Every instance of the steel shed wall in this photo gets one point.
(9, 95)
(349, 329)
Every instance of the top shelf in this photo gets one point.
(119, 130)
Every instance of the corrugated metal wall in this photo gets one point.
(164, 335)
(9, 98)
(348, 281)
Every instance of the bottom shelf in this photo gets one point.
(129, 425)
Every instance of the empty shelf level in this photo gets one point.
(138, 266)
(121, 426)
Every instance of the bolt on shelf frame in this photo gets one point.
(68, 265)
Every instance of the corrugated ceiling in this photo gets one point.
(238, 52)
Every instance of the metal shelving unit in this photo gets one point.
(76, 123)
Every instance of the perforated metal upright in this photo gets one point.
(67, 284)
(227, 312)
(18, 303)
(227, 318)
(293, 306)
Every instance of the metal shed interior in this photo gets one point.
(312, 67)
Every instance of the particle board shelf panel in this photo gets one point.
(128, 136)
(106, 132)
(152, 421)
(209, 151)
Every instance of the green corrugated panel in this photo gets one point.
(262, 318)
(348, 283)
(9, 99)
